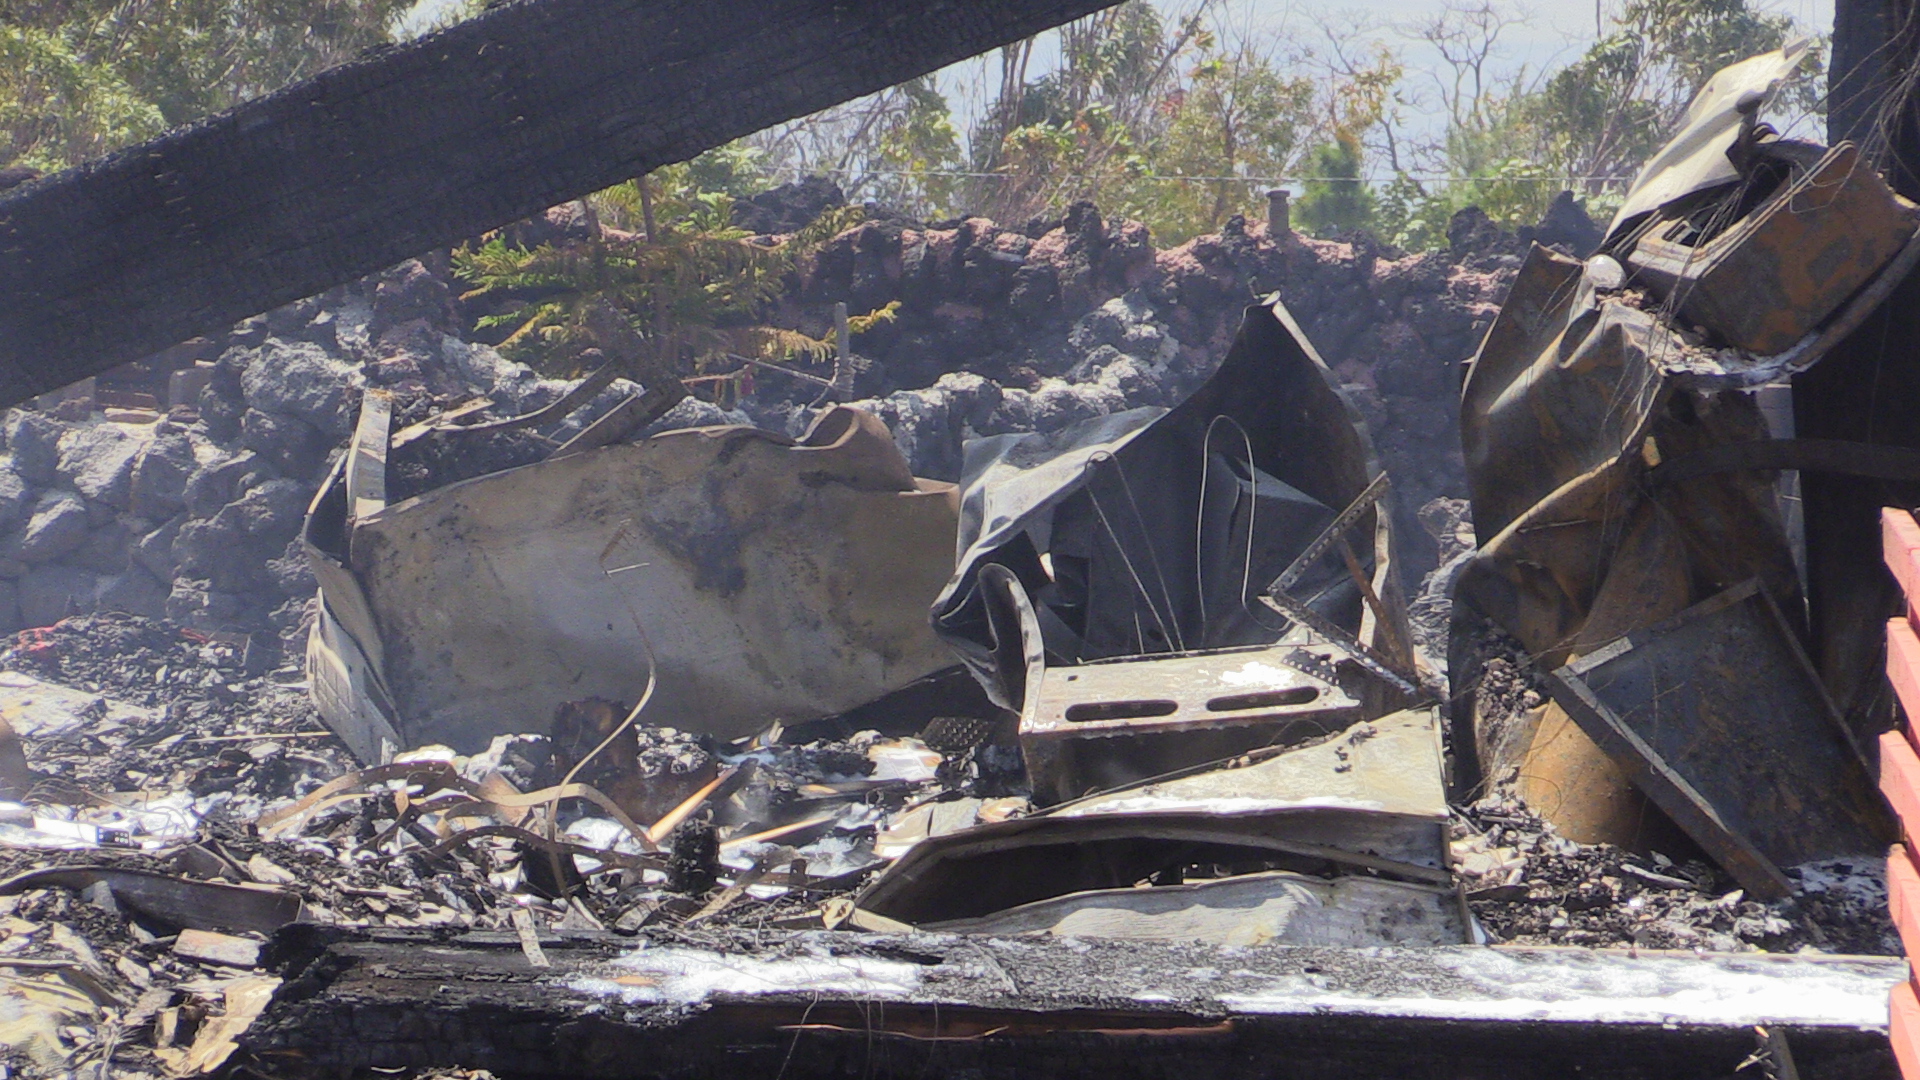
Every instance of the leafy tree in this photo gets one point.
(1335, 200)
(899, 147)
(57, 108)
(1238, 116)
(82, 77)
(916, 149)
(1604, 114)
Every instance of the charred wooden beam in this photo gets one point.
(426, 144)
(831, 1005)
(1868, 387)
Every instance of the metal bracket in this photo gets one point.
(1362, 654)
(1296, 610)
(1330, 535)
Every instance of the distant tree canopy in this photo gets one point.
(1182, 113)
(79, 78)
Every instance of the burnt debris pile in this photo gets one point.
(1263, 596)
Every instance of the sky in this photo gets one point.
(1552, 33)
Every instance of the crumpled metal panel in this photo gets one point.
(1696, 157)
(1144, 517)
(1103, 725)
(1566, 407)
(1389, 765)
(1728, 729)
(771, 580)
(1771, 277)
(1369, 799)
(1568, 404)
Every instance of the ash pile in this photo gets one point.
(1119, 649)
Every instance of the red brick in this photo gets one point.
(1903, 1028)
(1900, 546)
(1903, 668)
(1900, 782)
(1903, 897)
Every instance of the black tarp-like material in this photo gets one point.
(1159, 527)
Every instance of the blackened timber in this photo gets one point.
(429, 143)
(1868, 387)
(822, 1004)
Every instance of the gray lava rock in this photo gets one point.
(34, 440)
(929, 425)
(231, 549)
(289, 319)
(1127, 324)
(160, 475)
(9, 608)
(154, 550)
(300, 379)
(193, 603)
(58, 526)
(692, 413)
(788, 208)
(98, 460)
(105, 550)
(215, 485)
(291, 574)
(15, 496)
(291, 445)
(220, 416)
(223, 400)
(1565, 224)
(408, 293)
(294, 621)
(135, 592)
(51, 593)
(249, 332)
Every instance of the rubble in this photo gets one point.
(1596, 390)
(612, 695)
(1529, 886)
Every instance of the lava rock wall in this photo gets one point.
(999, 329)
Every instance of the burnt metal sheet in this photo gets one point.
(1390, 765)
(1695, 158)
(768, 580)
(1160, 528)
(989, 868)
(176, 901)
(1725, 725)
(1566, 408)
(1368, 800)
(1111, 723)
(1569, 403)
(1770, 278)
(1275, 908)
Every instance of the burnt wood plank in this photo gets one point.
(425, 144)
(822, 1004)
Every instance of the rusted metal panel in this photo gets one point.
(759, 579)
(1724, 724)
(1367, 800)
(1108, 724)
(1568, 405)
(1775, 274)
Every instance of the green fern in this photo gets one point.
(693, 294)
